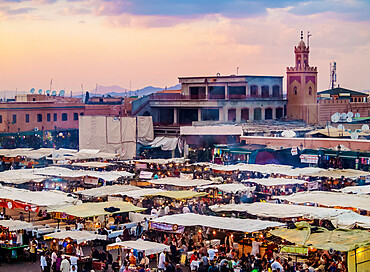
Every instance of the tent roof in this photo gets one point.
(225, 223)
(275, 181)
(139, 193)
(141, 245)
(339, 217)
(27, 152)
(50, 199)
(97, 208)
(181, 182)
(108, 190)
(338, 173)
(361, 190)
(15, 224)
(339, 239)
(20, 176)
(229, 188)
(161, 161)
(93, 164)
(179, 194)
(79, 236)
(330, 199)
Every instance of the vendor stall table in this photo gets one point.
(12, 253)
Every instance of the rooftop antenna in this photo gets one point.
(51, 84)
(308, 38)
(333, 74)
(237, 70)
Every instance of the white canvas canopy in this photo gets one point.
(68, 173)
(275, 181)
(360, 190)
(27, 152)
(181, 182)
(224, 223)
(229, 188)
(79, 236)
(338, 173)
(141, 245)
(49, 199)
(140, 193)
(339, 217)
(92, 164)
(13, 225)
(20, 176)
(108, 190)
(330, 199)
(161, 161)
(165, 143)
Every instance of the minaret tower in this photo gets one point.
(302, 86)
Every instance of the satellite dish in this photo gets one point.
(54, 93)
(32, 90)
(349, 119)
(40, 91)
(365, 127)
(350, 114)
(357, 115)
(344, 115)
(47, 91)
(354, 135)
(335, 118)
(340, 126)
(61, 93)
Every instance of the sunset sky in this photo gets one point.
(152, 42)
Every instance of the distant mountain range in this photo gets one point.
(115, 90)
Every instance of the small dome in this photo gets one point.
(301, 44)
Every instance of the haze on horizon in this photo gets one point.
(115, 42)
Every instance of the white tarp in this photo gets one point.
(110, 134)
(160, 161)
(224, 223)
(339, 217)
(108, 190)
(145, 131)
(141, 245)
(275, 181)
(330, 199)
(229, 188)
(165, 143)
(49, 199)
(92, 164)
(15, 225)
(27, 152)
(68, 173)
(181, 182)
(360, 190)
(79, 236)
(140, 193)
(211, 130)
(20, 176)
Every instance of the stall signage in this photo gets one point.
(294, 250)
(313, 185)
(145, 175)
(294, 151)
(11, 204)
(91, 180)
(309, 158)
(167, 227)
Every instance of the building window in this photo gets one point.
(64, 117)
(276, 91)
(14, 118)
(1, 119)
(48, 117)
(39, 117)
(75, 116)
(265, 91)
(257, 114)
(295, 90)
(310, 90)
(55, 117)
(268, 114)
(27, 118)
(254, 91)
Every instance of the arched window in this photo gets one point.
(276, 91)
(310, 90)
(254, 91)
(295, 90)
(265, 91)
